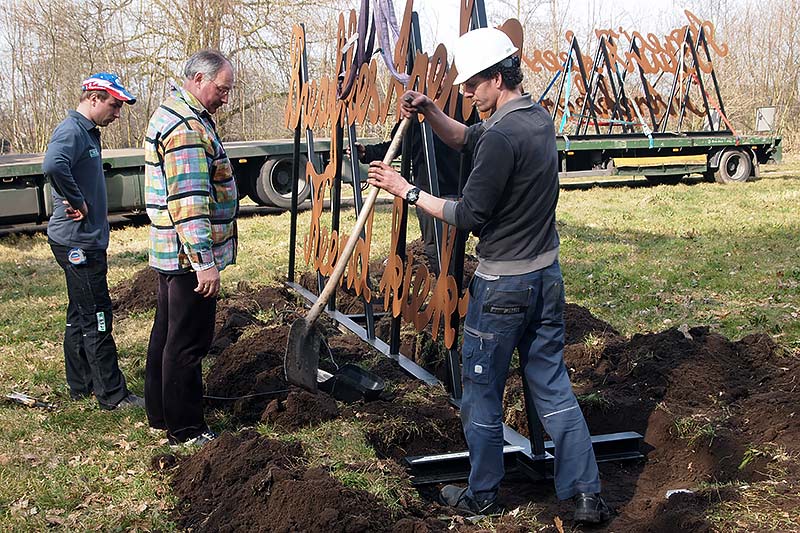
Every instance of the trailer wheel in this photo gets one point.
(734, 167)
(274, 183)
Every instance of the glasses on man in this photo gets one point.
(223, 91)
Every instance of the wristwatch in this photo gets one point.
(412, 195)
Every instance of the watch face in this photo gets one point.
(412, 195)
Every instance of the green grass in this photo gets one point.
(642, 259)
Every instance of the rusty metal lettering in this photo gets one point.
(392, 279)
(409, 291)
(419, 74)
(294, 95)
(466, 16)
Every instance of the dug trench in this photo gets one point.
(717, 417)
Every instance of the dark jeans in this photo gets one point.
(90, 354)
(523, 312)
(182, 333)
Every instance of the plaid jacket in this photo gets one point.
(190, 190)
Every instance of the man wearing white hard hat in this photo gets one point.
(517, 292)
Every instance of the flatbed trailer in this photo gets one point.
(263, 171)
(667, 157)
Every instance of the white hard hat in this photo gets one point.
(479, 49)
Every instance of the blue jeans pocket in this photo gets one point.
(506, 302)
(553, 298)
(477, 354)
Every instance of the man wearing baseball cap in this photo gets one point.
(78, 235)
(517, 292)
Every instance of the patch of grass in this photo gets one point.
(335, 442)
(426, 395)
(594, 346)
(695, 430)
(626, 256)
(762, 506)
(776, 456)
(595, 401)
(340, 446)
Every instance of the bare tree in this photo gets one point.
(47, 48)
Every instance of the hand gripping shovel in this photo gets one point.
(302, 349)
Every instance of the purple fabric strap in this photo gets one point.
(386, 20)
(383, 20)
(363, 53)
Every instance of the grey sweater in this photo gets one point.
(74, 166)
(510, 198)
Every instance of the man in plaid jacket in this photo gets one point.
(192, 203)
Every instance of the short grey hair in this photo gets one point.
(208, 62)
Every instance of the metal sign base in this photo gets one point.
(448, 467)
(518, 454)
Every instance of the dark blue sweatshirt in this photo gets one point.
(511, 195)
(74, 166)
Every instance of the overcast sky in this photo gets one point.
(440, 17)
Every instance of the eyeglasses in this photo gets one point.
(223, 91)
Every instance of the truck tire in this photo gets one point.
(273, 186)
(735, 166)
(671, 179)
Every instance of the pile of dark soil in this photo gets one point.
(137, 295)
(300, 409)
(401, 428)
(245, 482)
(711, 411)
(253, 365)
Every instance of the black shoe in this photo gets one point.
(131, 400)
(591, 509)
(458, 499)
(195, 442)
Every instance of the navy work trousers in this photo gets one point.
(182, 333)
(525, 312)
(90, 354)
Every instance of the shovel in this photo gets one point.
(302, 349)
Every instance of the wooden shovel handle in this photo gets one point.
(347, 252)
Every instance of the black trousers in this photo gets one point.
(182, 333)
(90, 354)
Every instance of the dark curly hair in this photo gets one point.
(509, 69)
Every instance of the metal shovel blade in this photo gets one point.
(302, 355)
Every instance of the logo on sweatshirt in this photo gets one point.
(94, 152)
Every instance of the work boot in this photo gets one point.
(459, 500)
(591, 509)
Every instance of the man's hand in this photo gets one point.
(362, 152)
(385, 177)
(412, 103)
(75, 214)
(208, 282)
